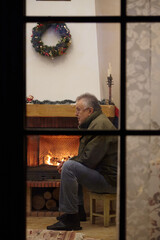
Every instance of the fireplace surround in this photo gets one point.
(44, 153)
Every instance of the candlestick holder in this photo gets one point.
(109, 84)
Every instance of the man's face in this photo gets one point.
(82, 113)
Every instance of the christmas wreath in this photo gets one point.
(51, 51)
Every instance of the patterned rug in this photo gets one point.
(36, 234)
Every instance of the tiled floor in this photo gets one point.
(97, 230)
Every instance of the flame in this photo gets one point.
(49, 160)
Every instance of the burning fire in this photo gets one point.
(49, 160)
(54, 161)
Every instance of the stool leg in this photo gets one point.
(92, 210)
(106, 212)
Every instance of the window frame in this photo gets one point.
(14, 89)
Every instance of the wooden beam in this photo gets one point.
(60, 110)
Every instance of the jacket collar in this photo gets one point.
(87, 122)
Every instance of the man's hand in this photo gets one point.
(59, 167)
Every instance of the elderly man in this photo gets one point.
(95, 166)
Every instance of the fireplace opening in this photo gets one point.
(50, 150)
(54, 149)
(44, 154)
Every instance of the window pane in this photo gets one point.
(143, 193)
(143, 8)
(53, 81)
(44, 153)
(73, 8)
(143, 57)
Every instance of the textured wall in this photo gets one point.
(143, 152)
(143, 7)
(138, 75)
(143, 188)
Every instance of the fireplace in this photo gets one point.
(44, 153)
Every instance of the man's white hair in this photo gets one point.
(89, 100)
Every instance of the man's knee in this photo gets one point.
(67, 165)
(70, 165)
(69, 169)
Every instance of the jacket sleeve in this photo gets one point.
(94, 150)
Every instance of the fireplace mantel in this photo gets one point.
(60, 110)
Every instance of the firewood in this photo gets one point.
(47, 195)
(38, 202)
(51, 204)
(56, 193)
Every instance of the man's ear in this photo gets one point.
(91, 110)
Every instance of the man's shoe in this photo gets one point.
(69, 223)
(82, 215)
(65, 227)
(62, 217)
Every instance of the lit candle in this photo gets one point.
(109, 69)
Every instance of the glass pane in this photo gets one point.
(143, 8)
(143, 57)
(73, 8)
(45, 153)
(54, 82)
(143, 192)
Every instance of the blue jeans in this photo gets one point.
(74, 175)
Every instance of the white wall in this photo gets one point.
(108, 35)
(73, 8)
(107, 7)
(66, 76)
(61, 8)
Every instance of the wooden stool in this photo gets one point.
(107, 198)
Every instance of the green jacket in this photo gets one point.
(99, 152)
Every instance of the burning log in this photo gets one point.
(51, 204)
(38, 202)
